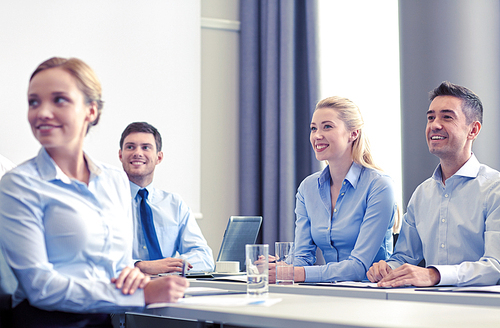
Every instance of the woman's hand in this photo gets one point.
(272, 273)
(130, 279)
(165, 289)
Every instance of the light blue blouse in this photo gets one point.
(175, 226)
(356, 234)
(65, 240)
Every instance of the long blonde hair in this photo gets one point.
(349, 113)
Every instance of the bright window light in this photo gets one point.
(359, 60)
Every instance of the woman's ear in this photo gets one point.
(92, 112)
(354, 135)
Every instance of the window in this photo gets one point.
(359, 60)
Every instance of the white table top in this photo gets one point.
(403, 294)
(421, 295)
(297, 310)
(299, 289)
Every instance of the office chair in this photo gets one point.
(6, 311)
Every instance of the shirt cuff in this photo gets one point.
(313, 274)
(393, 264)
(448, 273)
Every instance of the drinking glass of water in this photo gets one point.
(257, 263)
(284, 263)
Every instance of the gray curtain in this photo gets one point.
(279, 89)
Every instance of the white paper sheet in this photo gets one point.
(229, 301)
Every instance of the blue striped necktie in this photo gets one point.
(148, 227)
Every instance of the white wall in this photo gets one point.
(147, 56)
(219, 118)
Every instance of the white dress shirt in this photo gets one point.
(455, 226)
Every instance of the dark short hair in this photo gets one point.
(141, 127)
(471, 104)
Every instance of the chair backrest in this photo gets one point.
(6, 320)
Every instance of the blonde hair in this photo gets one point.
(349, 113)
(86, 79)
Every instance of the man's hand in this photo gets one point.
(378, 271)
(165, 289)
(165, 265)
(408, 274)
(130, 279)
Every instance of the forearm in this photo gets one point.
(200, 259)
(78, 295)
(156, 267)
(482, 272)
(350, 269)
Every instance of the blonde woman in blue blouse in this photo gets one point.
(66, 219)
(348, 209)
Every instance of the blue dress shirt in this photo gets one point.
(357, 233)
(65, 240)
(455, 226)
(175, 226)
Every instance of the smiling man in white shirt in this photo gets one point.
(453, 218)
(160, 245)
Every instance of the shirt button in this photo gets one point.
(443, 220)
(144, 247)
(344, 182)
(442, 245)
(342, 194)
(335, 210)
(446, 195)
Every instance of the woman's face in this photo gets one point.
(329, 137)
(57, 112)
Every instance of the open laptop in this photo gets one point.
(240, 230)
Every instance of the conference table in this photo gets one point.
(431, 294)
(324, 306)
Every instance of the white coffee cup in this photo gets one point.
(227, 267)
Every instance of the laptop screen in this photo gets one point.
(240, 230)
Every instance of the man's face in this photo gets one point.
(447, 131)
(139, 157)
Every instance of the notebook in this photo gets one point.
(240, 230)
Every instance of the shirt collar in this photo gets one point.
(352, 175)
(135, 188)
(469, 170)
(49, 170)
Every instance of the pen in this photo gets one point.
(184, 268)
